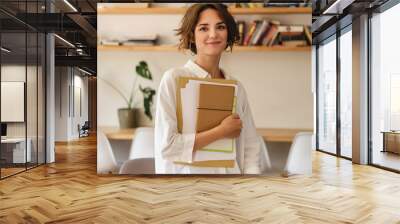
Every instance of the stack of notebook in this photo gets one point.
(201, 105)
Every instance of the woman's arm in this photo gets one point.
(170, 145)
(230, 127)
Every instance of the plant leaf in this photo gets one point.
(148, 94)
(142, 69)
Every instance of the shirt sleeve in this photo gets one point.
(169, 143)
(251, 140)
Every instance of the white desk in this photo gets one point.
(18, 149)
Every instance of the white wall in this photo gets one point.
(62, 81)
(67, 80)
(80, 83)
(17, 73)
(278, 83)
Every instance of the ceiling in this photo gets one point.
(332, 15)
(23, 21)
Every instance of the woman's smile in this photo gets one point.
(214, 43)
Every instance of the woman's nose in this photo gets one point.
(213, 33)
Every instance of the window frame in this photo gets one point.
(379, 10)
(347, 27)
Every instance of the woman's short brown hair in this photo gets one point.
(191, 17)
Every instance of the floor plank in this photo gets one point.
(70, 191)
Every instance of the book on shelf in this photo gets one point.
(288, 4)
(274, 37)
(251, 32)
(259, 33)
(308, 34)
(269, 33)
(241, 29)
(292, 35)
(305, 3)
(249, 5)
(287, 29)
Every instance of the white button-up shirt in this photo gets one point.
(170, 145)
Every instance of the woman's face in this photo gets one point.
(210, 33)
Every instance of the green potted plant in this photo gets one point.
(128, 116)
(148, 93)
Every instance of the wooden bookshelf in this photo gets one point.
(172, 48)
(176, 10)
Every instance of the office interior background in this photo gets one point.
(49, 79)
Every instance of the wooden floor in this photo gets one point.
(10, 171)
(69, 191)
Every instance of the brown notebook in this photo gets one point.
(182, 81)
(215, 104)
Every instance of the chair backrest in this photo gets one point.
(143, 143)
(138, 166)
(265, 162)
(299, 160)
(106, 162)
(141, 156)
(86, 125)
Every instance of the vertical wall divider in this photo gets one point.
(338, 99)
(45, 94)
(37, 94)
(1, 166)
(26, 87)
(317, 97)
(369, 96)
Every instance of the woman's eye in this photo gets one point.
(203, 29)
(221, 27)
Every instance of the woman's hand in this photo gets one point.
(231, 126)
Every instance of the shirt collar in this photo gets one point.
(200, 72)
(197, 70)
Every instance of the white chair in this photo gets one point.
(141, 157)
(299, 160)
(106, 162)
(138, 166)
(143, 143)
(265, 162)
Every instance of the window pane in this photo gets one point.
(346, 94)
(31, 99)
(327, 97)
(385, 84)
(15, 150)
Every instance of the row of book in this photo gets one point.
(270, 33)
(305, 3)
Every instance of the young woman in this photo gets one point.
(207, 30)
